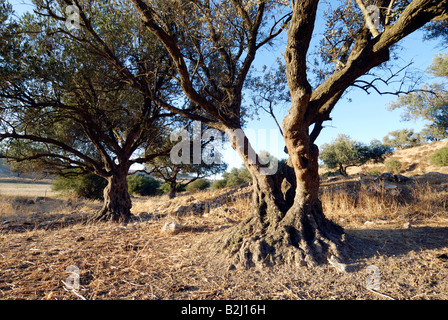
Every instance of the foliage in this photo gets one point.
(164, 168)
(438, 29)
(219, 184)
(166, 187)
(65, 104)
(198, 185)
(89, 185)
(234, 177)
(440, 157)
(402, 139)
(142, 185)
(393, 165)
(344, 152)
(330, 174)
(374, 173)
(430, 103)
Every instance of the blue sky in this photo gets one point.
(364, 117)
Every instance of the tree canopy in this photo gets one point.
(205, 49)
(64, 106)
(344, 152)
(430, 103)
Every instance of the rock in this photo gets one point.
(387, 176)
(407, 225)
(39, 199)
(443, 256)
(231, 267)
(222, 227)
(44, 224)
(144, 216)
(335, 262)
(393, 189)
(434, 178)
(180, 211)
(171, 228)
(194, 208)
(401, 179)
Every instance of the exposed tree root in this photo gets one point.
(303, 237)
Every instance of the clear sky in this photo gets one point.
(361, 116)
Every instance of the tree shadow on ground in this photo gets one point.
(367, 243)
(34, 222)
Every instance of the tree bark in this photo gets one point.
(287, 224)
(173, 189)
(117, 201)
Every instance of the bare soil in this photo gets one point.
(139, 261)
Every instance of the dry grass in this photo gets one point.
(26, 187)
(24, 206)
(366, 202)
(138, 261)
(414, 160)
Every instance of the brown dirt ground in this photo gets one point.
(138, 261)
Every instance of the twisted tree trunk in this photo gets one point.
(287, 224)
(117, 201)
(173, 189)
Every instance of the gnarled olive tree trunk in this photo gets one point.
(287, 223)
(117, 201)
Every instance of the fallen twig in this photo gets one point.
(381, 294)
(73, 290)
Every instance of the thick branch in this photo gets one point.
(368, 19)
(375, 51)
(147, 15)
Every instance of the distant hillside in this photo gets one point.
(413, 160)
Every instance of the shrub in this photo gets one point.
(142, 185)
(88, 185)
(344, 152)
(330, 174)
(393, 165)
(374, 173)
(198, 185)
(165, 188)
(233, 178)
(219, 184)
(403, 139)
(440, 157)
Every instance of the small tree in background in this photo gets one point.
(393, 165)
(344, 152)
(431, 102)
(440, 157)
(403, 139)
(64, 106)
(180, 175)
(198, 185)
(234, 177)
(142, 185)
(89, 186)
